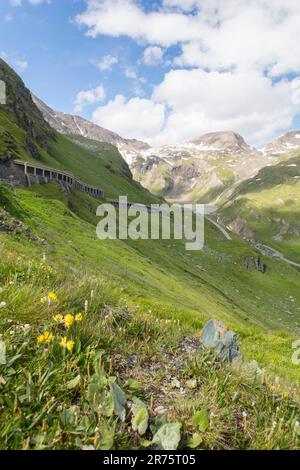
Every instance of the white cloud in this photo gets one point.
(8, 18)
(209, 36)
(88, 97)
(18, 3)
(22, 65)
(14, 61)
(240, 55)
(131, 72)
(38, 2)
(153, 55)
(246, 102)
(136, 118)
(125, 17)
(107, 62)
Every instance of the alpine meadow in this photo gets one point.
(149, 227)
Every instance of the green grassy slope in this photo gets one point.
(98, 164)
(159, 275)
(270, 205)
(25, 135)
(144, 298)
(149, 362)
(22, 112)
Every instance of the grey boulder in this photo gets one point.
(217, 336)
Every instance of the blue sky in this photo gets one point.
(163, 71)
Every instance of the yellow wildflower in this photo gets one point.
(58, 318)
(46, 337)
(70, 345)
(69, 320)
(63, 342)
(52, 296)
(44, 300)
(199, 334)
(79, 317)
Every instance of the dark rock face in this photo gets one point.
(187, 172)
(20, 107)
(254, 263)
(11, 173)
(9, 224)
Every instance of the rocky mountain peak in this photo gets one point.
(287, 143)
(69, 124)
(226, 141)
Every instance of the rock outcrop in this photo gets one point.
(217, 336)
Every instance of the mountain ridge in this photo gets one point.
(204, 169)
(72, 124)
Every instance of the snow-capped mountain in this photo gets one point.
(203, 169)
(229, 142)
(69, 124)
(287, 143)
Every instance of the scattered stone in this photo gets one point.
(160, 410)
(217, 336)
(9, 224)
(132, 360)
(254, 263)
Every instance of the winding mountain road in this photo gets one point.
(222, 229)
(274, 254)
(264, 249)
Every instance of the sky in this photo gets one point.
(163, 71)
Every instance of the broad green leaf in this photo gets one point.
(100, 399)
(140, 416)
(68, 417)
(194, 441)
(200, 420)
(145, 443)
(2, 353)
(159, 421)
(107, 404)
(107, 436)
(119, 399)
(73, 383)
(132, 385)
(168, 436)
(93, 393)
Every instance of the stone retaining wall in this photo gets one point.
(27, 173)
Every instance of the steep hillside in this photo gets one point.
(267, 207)
(21, 109)
(25, 135)
(92, 364)
(211, 282)
(100, 340)
(68, 124)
